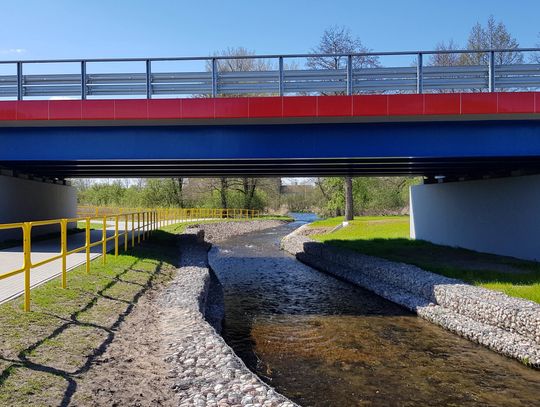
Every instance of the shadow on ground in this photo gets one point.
(44, 353)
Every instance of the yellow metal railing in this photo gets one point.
(138, 225)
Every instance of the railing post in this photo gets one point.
(148, 79)
(349, 75)
(143, 225)
(214, 78)
(126, 233)
(116, 236)
(138, 227)
(491, 71)
(63, 250)
(281, 77)
(20, 89)
(27, 263)
(83, 80)
(420, 73)
(87, 245)
(104, 240)
(132, 229)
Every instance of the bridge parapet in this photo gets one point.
(149, 77)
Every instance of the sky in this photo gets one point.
(51, 29)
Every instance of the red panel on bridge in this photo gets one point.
(478, 103)
(198, 108)
(515, 102)
(442, 104)
(334, 106)
(265, 107)
(370, 105)
(98, 110)
(33, 110)
(231, 108)
(300, 106)
(8, 110)
(165, 109)
(454, 105)
(405, 105)
(65, 110)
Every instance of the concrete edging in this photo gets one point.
(507, 325)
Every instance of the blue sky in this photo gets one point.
(46, 29)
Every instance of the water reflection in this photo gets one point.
(323, 342)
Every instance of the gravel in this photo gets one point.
(507, 325)
(204, 370)
(215, 232)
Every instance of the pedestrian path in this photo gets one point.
(12, 258)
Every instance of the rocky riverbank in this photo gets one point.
(216, 232)
(204, 369)
(507, 325)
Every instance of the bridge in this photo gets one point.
(198, 117)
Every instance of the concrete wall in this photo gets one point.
(26, 200)
(500, 216)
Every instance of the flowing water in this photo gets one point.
(323, 342)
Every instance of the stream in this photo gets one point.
(323, 342)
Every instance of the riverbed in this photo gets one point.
(323, 342)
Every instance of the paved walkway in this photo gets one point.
(12, 258)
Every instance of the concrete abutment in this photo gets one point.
(499, 216)
(24, 199)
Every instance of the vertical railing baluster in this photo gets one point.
(491, 71)
(281, 84)
(349, 75)
(419, 73)
(148, 79)
(20, 89)
(83, 80)
(214, 77)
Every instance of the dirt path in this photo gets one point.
(132, 371)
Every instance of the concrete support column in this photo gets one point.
(500, 216)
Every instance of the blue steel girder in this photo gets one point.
(289, 149)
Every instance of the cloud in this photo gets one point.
(17, 51)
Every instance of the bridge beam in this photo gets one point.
(498, 216)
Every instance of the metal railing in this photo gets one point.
(137, 226)
(277, 79)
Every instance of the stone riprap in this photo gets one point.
(204, 369)
(510, 326)
(215, 232)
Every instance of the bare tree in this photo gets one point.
(240, 64)
(339, 40)
(445, 59)
(494, 35)
(535, 57)
(248, 185)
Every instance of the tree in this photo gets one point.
(535, 57)
(494, 35)
(339, 40)
(445, 59)
(248, 185)
(349, 209)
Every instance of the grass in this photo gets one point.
(43, 353)
(46, 352)
(388, 237)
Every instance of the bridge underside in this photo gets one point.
(451, 168)
(465, 149)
